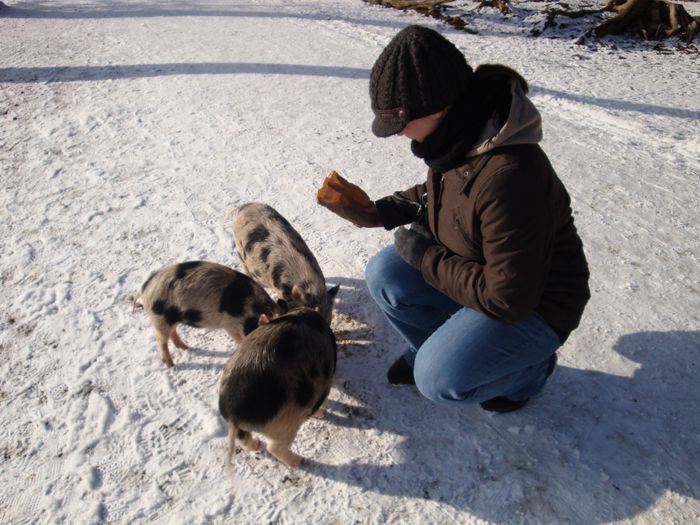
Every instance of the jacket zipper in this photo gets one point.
(436, 205)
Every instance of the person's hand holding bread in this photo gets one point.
(348, 201)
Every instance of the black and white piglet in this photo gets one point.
(274, 253)
(278, 376)
(204, 295)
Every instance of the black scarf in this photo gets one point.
(446, 147)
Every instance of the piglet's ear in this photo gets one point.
(333, 291)
(298, 293)
(263, 319)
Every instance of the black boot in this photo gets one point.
(400, 373)
(502, 404)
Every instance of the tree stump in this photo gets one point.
(502, 5)
(646, 18)
(409, 4)
(649, 19)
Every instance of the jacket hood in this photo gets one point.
(523, 126)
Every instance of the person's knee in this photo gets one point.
(373, 275)
(437, 383)
(427, 385)
(383, 288)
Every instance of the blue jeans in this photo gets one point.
(459, 355)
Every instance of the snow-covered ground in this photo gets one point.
(128, 132)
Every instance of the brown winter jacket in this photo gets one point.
(506, 240)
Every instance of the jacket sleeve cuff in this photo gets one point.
(396, 210)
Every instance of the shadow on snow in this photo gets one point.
(48, 74)
(108, 9)
(592, 448)
(618, 104)
(130, 71)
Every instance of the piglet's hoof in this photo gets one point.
(178, 342)
(296, 462)
(288, 457)
(252, 446)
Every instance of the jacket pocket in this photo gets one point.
(462, 238)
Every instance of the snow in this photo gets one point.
(128, 132)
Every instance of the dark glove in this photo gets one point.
(397, 210)
(361, 217)
(412, 243)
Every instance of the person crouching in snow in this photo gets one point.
(490, 278)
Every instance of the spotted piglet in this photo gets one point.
(279, 376)
(204, 295)
(274, 253)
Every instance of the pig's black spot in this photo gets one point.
(313, 320)
(264, 254)
(250, 324)
(277, 275)
(304, 392)
(284, 222)
(258, 234)
(241, 434)
(284, 307)
(252, 396)
(313, 371)
(326, 369)
(234, 295)
(306, 254)
(261, 307)
(285, 348)
(286, 291)
(145, 284)
(172, 315)
(307, 298)
(192, 317)
(223, 407)
(182, 268)
(158, 307)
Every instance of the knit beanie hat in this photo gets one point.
(417, 74)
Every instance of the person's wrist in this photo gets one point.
(372, 211)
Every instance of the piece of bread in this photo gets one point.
(336, 191)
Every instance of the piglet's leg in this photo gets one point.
(163, 347)
(281, 433)
(320, 411)
(177, 341)
(248, 442)
(234, 334)
(281, 436)
(281, 450)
